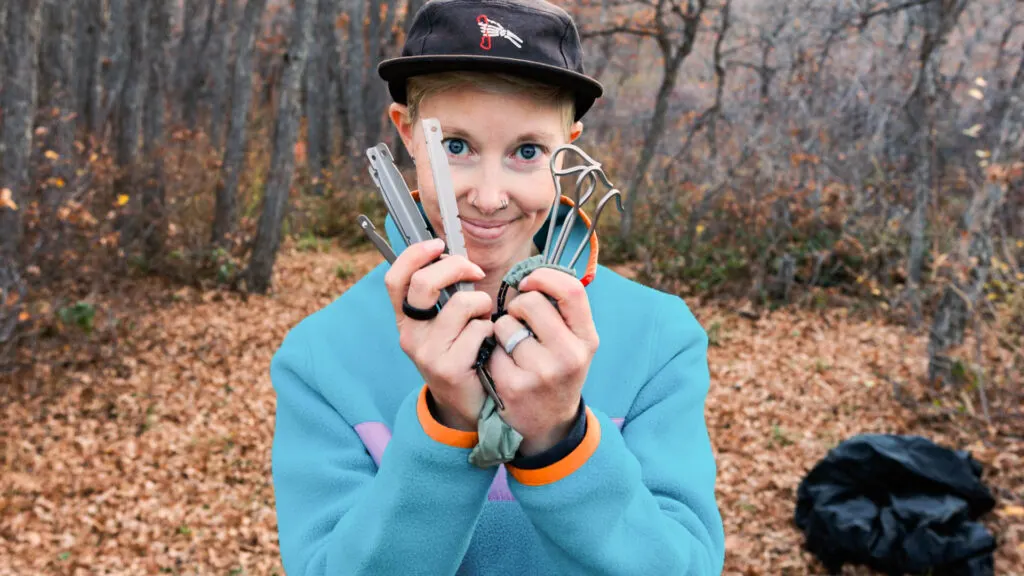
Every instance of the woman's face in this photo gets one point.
(499, 148)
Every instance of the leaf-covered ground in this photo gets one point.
(156, 460)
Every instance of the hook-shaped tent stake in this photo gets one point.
(586, 182)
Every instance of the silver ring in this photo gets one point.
(516, 338)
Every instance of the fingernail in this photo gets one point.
(436, 244)
(522, 283)
(479, 270)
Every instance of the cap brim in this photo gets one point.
(396, 70)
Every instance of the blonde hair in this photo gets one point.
(420, 87)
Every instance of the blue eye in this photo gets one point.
(455, 146)
(528, 151)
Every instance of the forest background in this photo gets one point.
(180, 180)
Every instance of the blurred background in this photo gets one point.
(835, 187)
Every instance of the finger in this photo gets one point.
(528, 352)
(426, 284)
(510, 380)
(533, 309)
(571, 296)
(466, 347)
(410, 260)
(459, 311)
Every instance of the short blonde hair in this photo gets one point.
(420, 87)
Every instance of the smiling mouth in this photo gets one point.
(485, 230)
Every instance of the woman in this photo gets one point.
(379, 403)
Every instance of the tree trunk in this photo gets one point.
(939, 19)
(18, 112)
(961, 296)
(355, 75)
(651, 141)
(153, 192)
(88, 89)
(375, 93)
(58, 61)
(130, 119)
(218, 76)
(282, 165)
(187, 59)
(117, 53)
(318, 116)
(3, 49)
(195, 83)
(241, 95)
(336, 86)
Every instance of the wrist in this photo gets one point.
(447, 417)
(537, 444)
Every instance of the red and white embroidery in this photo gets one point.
(493, 29)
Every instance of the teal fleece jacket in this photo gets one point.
(367, 482)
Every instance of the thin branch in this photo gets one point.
(618, 30)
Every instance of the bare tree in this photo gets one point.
(282, 164)
(117, 54)
(937, 20)
(225, 214)
(220, 63)
(673, 26)
(321, 93)
(129, 118)
(195, 64)
(19, 108)
(375, 96)
(158, 72)
(356, 74)
(88, 74)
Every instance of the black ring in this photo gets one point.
(418, 313)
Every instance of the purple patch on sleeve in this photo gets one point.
(375, 436)
(499, 488)
(619, 422)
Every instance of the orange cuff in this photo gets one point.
(439, 432)
(565, 466)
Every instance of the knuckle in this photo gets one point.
(575, 290)
(406, 342)
(391, 280)
(419, 281)
(506, 323)
(579, 357)
(549, 373)
(480, 325)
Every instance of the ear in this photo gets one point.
(575, 131)
(399, 114)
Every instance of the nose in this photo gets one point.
(486, 192)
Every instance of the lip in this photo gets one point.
(485, 229)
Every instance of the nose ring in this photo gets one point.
(504, 204)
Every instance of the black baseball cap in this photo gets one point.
(529, 38)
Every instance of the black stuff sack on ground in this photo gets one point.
(899, 504)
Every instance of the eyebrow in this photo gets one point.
(533, 136)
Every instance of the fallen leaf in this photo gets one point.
(1013, 511)
(6, 199)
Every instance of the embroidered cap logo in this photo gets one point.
(492, 28)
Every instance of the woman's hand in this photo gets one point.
(542, 381)
(444, 348)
